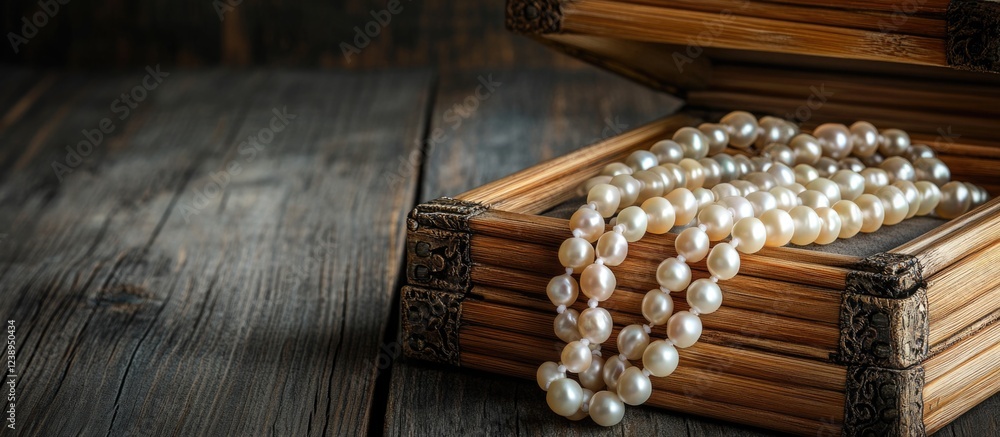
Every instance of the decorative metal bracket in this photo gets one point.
(973, 41)
(884, 402)
(532, 17)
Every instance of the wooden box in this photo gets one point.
(891, 333)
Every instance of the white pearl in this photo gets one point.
(576, 252)
(615, 169)
(850, 183)
(629, 188)
(851, 163)
(606, 197)
(826, 167)
(807, 225)
(779, 227)
(751, 233)
(930, 196)
(692, 243)
(742, 208)
(835, 139)
(634, 387)
(772, 130)
(718, 138)
(805, 173)
(894, 204)
(613, 369)
(593, 377)
(875, 178)
(565, 396)
(786, 198)
(651, 182)
(562, 290)
(779, 153)
(796, 188)
(673, 274)
(894, 142)
(580, 414)
(660, 358)
(576, 356)
(641, 160)
(693, 172)
(589, 222)
(955, 200)
(864, 135)
(667, 151)
(547, 373)
(606, 408)
(597, 282)
(677, 175)
(725, 189)
(979, 195)
(898, 169)
(693, 141)
(744, 187)
(829, 188)
(744, 165)
(718, 221)
(851, 218)
(685, 205)
(659, 214)
(932, 169)
(911, 194)
(666, 176)
(807, 149)
(595, 325)
(830, 224)
(813, 199)
(590, 183)
(635, 220)
(566, 325)
(762, 201)
(728, 165)
(657, 307)
(742, 128)
(724, 261)
(612, 248)
(872, 212)
(705, 197)
(705, 295)
(632, 341)
(917, 151)
(684, 328)
(762, 180)
(783, 174)
(713, 171)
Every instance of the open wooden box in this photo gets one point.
(873, 340)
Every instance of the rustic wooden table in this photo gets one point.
(226, 260)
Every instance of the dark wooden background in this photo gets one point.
(147, 304)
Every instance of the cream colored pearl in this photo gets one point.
(677, 175)
(704, 196)
(740, 206)
(933, 170)
(872, 212)
(673, 274)
(635, 220)
(634, 387)
(713, 171)
(851, 163)
(772, 130)
(684, 328)
(744, 187)
(783, 174)
(693, 172)
(667, 151)
(742, 128)
(660, 358)
(593, 377)
(779, 227)
(576, 252)
(641, 160)
(652, 185)
(657, 307)
(875, 178)
(894, 204)
(590, 183)
(805, 173)
(629, 188)
(729, 168)
(694, 143)
(613, 369)
(606, 408)
(762, 201)
(814, 199)
(547, 373)
(930, 196)
(612, 247)
(659, 215)
(779, 153)
(850, 183)
(576, 356)
(764, 181)
(597, 282)
(685, 205)
(692, 243)
(851, 218)
(666, 176)
(562, 290)
(589, 222)
(917, 151)
(796, 188)
(835, 139)
(724, 261)
(724, 190)
(705, 296)
(864, 135)
(830, 225)
(898, 168)
(786, 198)
(829, 188)
(894, 142)
(807, 149)
(955, 200)
(615, 169)
(826, 167)
(566, 325)
(632, 341)
(718, 221)
(751, 233)
(718, 138)
(807, 225)
(911, 194)
(607, 197)
(595, 325)
(565, 396)
(580, 414)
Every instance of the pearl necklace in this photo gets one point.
(769, 205)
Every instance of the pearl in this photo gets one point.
(659, 215)
(651, 182)
(635, 220)
(744, 165)
(779, 227)
(666, 177)
(872, 212)
(576, 252)
(772, 130)
(612, 247)
(807, 225)
(590, 183)
(606, 408)
(724, 261)
(562, 290)
(875, 178)
(673, 275)
(713, 171)
(850, 183)
(564, 396)
(864, 136)
(955, 200)
(761, 163)
(641, 160)
(851, 163)
(597, 282)
(718, 138)
(718, 221)
(894, 142)
(634, 387)
(693, 172)
(917, 151)
(692, 243)
(829, 188)
(606, 197)
(657, 307)
(933, 170)
(615, 169)
(725, 190)
(742, 128)
(705, 295)
(930, 196)
(786, 199)
(796, 188)
(729, 169)
(893, 203)
(547, 373)
(694, 143)
(751, 233)
(685, 205)
(613, 369)
(851, 218)
(898, 168)
(826, 167)
(580, 414)
(762, 201)
(566, 325)
(589, 222)
(593, 377)
(629, 188)
(807, 149)
(805, 173)
(704, 196)
(872, 161)
(632, 341)
(660, 358)
(742, 208)
(783, 174)
(684, 328)
(979, 195)
(595, 325)
(911, 194)
(830, 225)
(779, 153)
(667, 151)
(576, 356)
(835, 139)
(813, 199)
(762, 180)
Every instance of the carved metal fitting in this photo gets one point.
(430, 324)
(533, 17)
(974, 35)
(884, 402)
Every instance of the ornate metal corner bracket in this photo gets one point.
(973, 41)
(884, 402)
(533, 17)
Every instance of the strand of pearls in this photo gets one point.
(758, 202)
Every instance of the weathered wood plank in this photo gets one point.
(149, 302)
